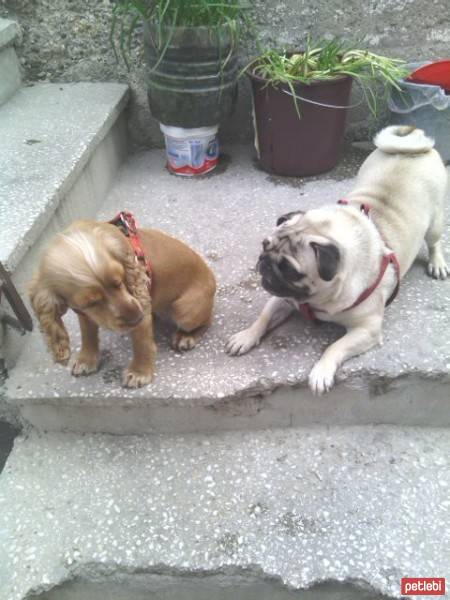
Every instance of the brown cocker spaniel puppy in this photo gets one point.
(91, 268)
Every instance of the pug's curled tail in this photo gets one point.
(403, 139)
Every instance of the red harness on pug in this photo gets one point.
(388, 259)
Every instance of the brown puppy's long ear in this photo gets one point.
(49, 309)
(327, 257)
(136, 280)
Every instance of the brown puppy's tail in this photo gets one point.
(403, 139)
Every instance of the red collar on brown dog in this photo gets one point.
(126, 222)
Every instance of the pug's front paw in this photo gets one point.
(242, 342)
(321, 378)
(437, 268)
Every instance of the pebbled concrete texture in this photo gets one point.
(48, 133)
(363, 506)
(225, 216)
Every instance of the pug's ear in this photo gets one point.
(288, 216)
(327, 257)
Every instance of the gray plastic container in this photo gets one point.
(425, 106)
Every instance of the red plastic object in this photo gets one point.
(437, 73)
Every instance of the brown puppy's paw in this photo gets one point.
(85, 364)
(182, 341)
(132, 378)
(61, 353)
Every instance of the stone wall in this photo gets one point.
(68, 40)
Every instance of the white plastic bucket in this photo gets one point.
(191, 151)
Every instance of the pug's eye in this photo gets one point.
(289, 271)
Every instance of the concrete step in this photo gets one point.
(61, 146)
(10, 76)
(232, 515)
(225, 216)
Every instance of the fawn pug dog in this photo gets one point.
(343, 264)
(92, 268)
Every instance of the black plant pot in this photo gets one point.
(194, 84)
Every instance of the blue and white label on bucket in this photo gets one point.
(191, 152)
(178, 152)
(197, 153)
(212, 151)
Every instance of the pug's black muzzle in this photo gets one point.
(273, 281)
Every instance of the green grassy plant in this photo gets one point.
(168, 14)
(322, 62)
